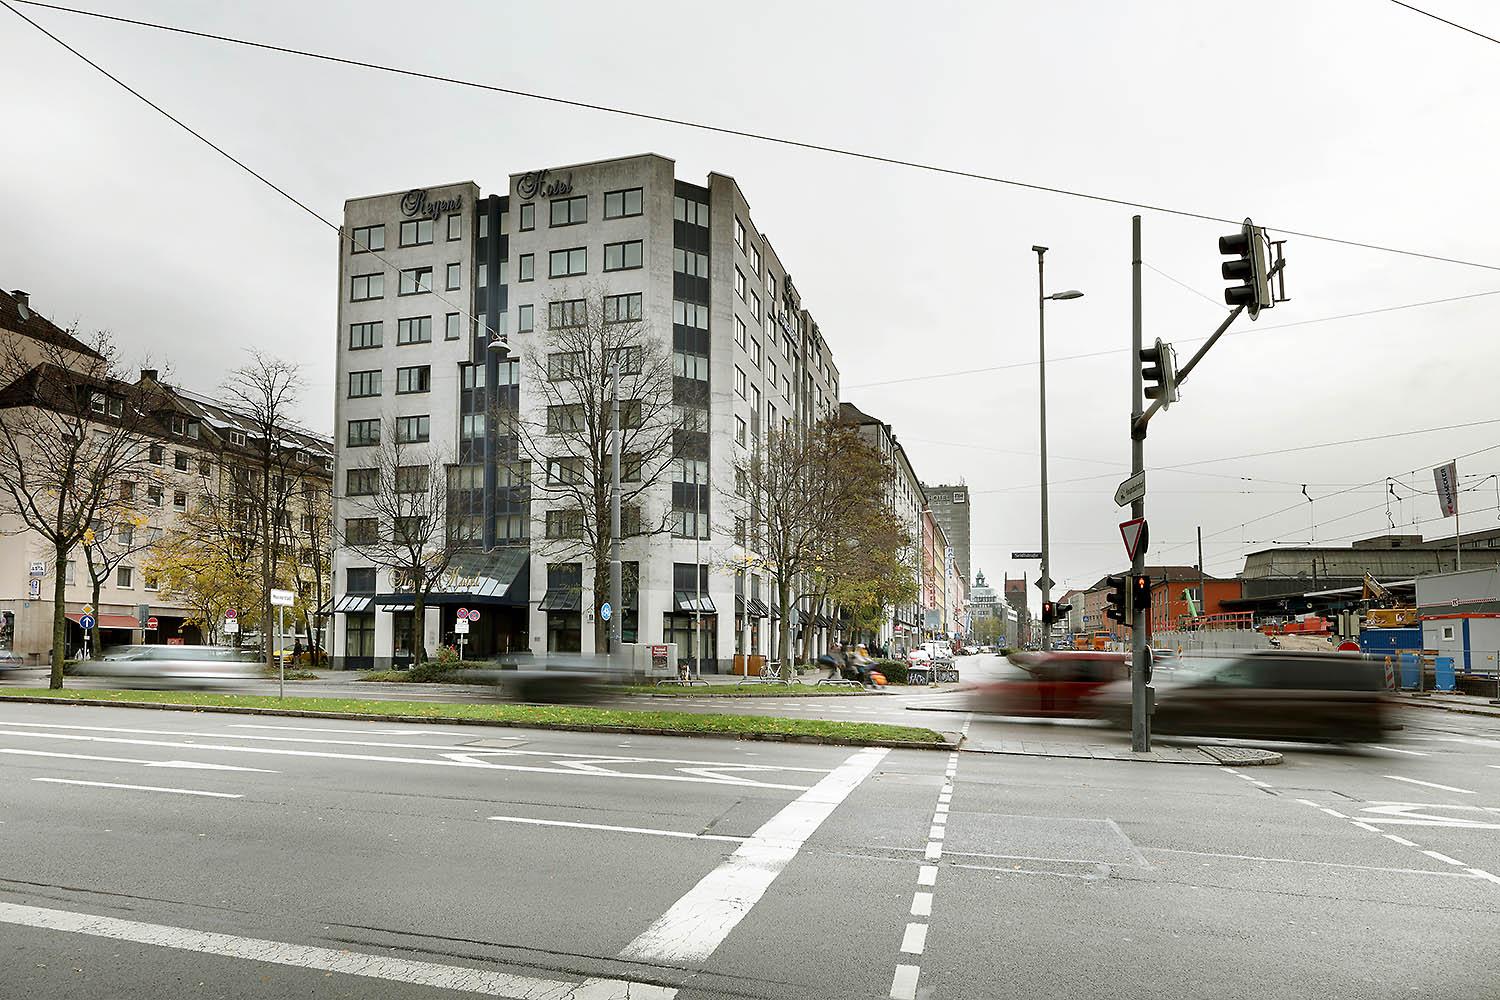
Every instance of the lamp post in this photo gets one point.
(1041, 305)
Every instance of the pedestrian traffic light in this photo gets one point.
(1161, 377)
(1049, 613)
(1140, 593)
(1248, 247)
(1117, 601)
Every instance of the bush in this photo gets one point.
(429, 672)
(447, 654)
(895, 670)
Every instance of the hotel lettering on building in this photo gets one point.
(425, 273)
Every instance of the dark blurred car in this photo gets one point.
(1059, 684)
(171, 666)
(1269, 695)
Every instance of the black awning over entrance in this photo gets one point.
(688, 601)
(562, 599)
(483, 578)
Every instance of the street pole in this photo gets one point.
(697, 573)
(1140, 722)
(1041, 325)
(281, 652)
(1202, 586)
(616, 571)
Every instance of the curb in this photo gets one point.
(1490, 713)
(948, 742)
(1271, 757)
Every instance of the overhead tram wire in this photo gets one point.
(739, 133)
(387, 264)
(1444, 20)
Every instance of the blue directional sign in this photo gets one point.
(605, 611)
(86, 622)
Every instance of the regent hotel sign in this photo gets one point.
(416, 202)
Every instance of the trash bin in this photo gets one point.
(1443, 673)
(1411, 666)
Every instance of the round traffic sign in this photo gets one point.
(151, 623)
(86, 622)
(605, 611)
(462, 615)
(1348, 646)
(473, 614)
(231, 614)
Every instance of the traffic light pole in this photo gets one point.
(1140, 720)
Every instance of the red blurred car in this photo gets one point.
(1059, 684)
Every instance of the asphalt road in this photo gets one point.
(174, 855)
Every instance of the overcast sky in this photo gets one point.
(1351, 118)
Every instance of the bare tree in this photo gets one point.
(310, 572)
(797, 495)
(399, 520)
(567, 434)
(74, 439)
(106, 546)
(264, 393)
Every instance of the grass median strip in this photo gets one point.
(539, 716)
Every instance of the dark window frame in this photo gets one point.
(417, 272)
(623, 200)
(364, 244)
(425, 380)
(622, 246)
(567, 272)
(366, 383)
(368, 279)
(416, 225)
(376, 326)
(569, 203)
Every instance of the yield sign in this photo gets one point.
(1134, 533)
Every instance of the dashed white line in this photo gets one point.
(936, 833)
(1480, 872)
(529, 821)
(1430, 784)
(1414, 753)
(934, 850)
(1400, 840)
(1365, 826)
(1444, 858)
(140, 788)
(915, 939)
(904, 985)
(927, 875)
(1332, 812)
(1308, 802)
(921, 904)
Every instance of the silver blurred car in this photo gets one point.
(172, 666)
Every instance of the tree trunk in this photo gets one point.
(94, 632)
(601, 594)
(59, 616)
(784, 594)
(418, 627)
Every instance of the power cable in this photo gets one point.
(739, 133)
(1444, 20)
(1183, 284)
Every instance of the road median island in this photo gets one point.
(647, 722)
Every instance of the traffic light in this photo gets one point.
(1117, 601)
(1140, 593)
(1060, 611)
(1049, 612)
(1248, 247)
(1161, 376)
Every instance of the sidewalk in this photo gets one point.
(1467, 704)
(1120, 750)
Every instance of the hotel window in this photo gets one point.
(361, 530)
(755, 306)
(414, 330)
(363, 239)
(739, 331)
(471, 426)
(694, 366)
(455, 227)
(417, 378)
(567, 314)
(455, 272)
(622, 308)
(364, 287)
(416, 281)
(739, 382)
(362, 384)
(526, 268)
(690, 314)
(528, 217)
(565, 365)
(755, 260)
(453, 327)
(570, 211)
(755, 354)
(566, 417)
(739, 431)
(770, 285)
(525, 320)
(739, 283)
(363, 336)
(618, 204)
(690, 262)
(363, 433)
(694, 212)
(622, 256)
(361, 482)
(416, 232)
(568, 263)
(412, 478)
(739, 234)
(412, 430)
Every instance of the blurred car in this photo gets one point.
(1268, 695)
(172, 666)
(1163, 658)
(919, 655)
(1058, 684)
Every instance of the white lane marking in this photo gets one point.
(1414, 753)
(1297, 861)
(353, 731)
(498, 751)
(1444, 858)
(187, 764)
(1365, 826)
(381, 758)
(699, 922)
(1481, 873)
(1229, 770)
(1308, 802)
(927, 875)
(1332, 812)
(934, 850)
(921, 904)
(938, 819)
(1430, 784)
(904, 985)
(1400, 840)
(138, 788)
(529, 821)
(942, 808)
(915, 939)
(945, 798)
(447, 977)
(936, 833)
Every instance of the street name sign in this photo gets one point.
(1131, 490)
(1026, 555)
(1134, 533)
(282, 598)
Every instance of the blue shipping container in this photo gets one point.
(1386, 641)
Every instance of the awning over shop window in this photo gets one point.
(480, 577)
(757, 608)
(562, 599)
(354, 604)
(395, 602)
(822, 621)
(689, 601)
(111, 621)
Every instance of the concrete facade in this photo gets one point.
(907, 500)
(950, 506)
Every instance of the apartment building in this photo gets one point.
(445, 292)
(950, 507)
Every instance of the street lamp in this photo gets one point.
(1042, 297)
